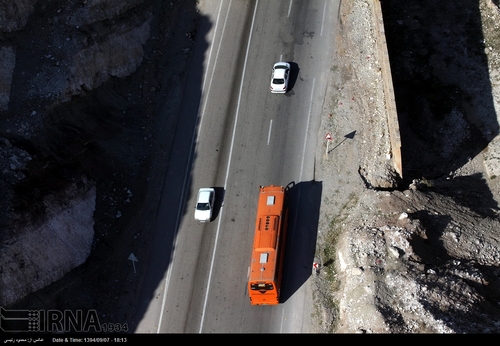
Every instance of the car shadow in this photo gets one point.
(219, 201)
(294, 74)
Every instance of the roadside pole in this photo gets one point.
(328, 139)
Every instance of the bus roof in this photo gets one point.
(267, 232)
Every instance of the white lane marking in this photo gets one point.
(307, 129)
(186, 178)
(215, 63)
(289, 8)
(227, 170)
(323, 20)
(282, 320)
(269, 134)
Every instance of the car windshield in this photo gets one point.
(278, 81)
(203, 206)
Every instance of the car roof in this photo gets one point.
(280, 73)
(204, 194)
(279, 69)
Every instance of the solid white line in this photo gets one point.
(289, 9)
(269, 134)
(215, 62)
(307, 128)
(186, 180)
(282, 320)
(228, 167)
(323, 20)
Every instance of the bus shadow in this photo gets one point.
(304, 201)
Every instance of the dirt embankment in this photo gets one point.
(425, 257)
(83, 85)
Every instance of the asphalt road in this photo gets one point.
(234, 135)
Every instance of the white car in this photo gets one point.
(204, 205)
(279, 78)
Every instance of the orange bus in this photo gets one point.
(266, 266)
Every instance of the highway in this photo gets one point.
(242, 137)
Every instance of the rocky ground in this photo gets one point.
(424, 257)
(83, 83)
(99, 75)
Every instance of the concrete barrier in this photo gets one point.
(390, 101)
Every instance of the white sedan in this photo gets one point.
(204, 204)
(279, 78)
